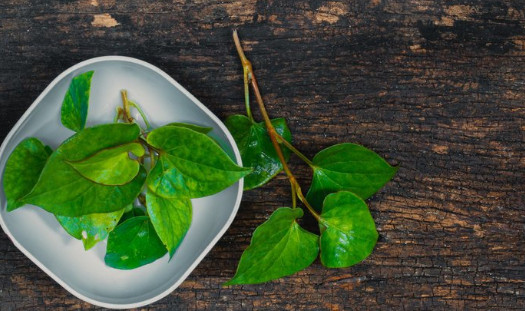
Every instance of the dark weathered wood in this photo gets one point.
(436, 86)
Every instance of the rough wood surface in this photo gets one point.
(435, 86)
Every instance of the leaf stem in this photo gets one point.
(270, 129)
(295, 150)
(125, 103)
(142, 114)
(247, 71)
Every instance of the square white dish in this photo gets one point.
(39, 236)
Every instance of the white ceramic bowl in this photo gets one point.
(38, 235)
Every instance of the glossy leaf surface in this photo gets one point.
(63, 191)
(196, 128)
(256, 148)
(111, 166)
(91, 228)
(279, 247)
(348, 231)
(206, 168)
(171, 218)
(133, 243)
(23, 169)
(348, 167)
(76, 102)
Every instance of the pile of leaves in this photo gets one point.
(129, 183)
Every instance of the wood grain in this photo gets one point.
(434, 86)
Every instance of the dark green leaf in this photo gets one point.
(76, 102)
(256, 148)
(166, 180)
(132, 212)
(197, 128)
(111, 166)
(348, 167)
(90, 228)
(23, 169)
(206, 168)
(61, 190)
(171, 218)
(348, 232)
(279, 247)
(133, 243)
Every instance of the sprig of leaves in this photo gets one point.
(130, 184)
(343, 176)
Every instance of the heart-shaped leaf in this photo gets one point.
(279, 247)
(348, 231)
(206, 168)
(111, 166)
(76, 102)
(63, 191)
(171, 218)
(90, 228)
(256, 148)
(347, 167)
(23, 169)
(133, 243)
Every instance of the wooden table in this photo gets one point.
(438, 88)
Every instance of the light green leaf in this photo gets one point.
(348, 232)
(93, 139)
(111, 166)
(206, 168)
(196, 128)
(279, 247)
(63, 191)
(133, 243)
(347, 167)
(166, 180)
(23, 169)
(90, 228)
(171, 218)
(256, 148)
(76, 102)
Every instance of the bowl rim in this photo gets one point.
(197, 103)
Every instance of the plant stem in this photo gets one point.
(127, 116)
(247, 66)
(247, 72)
(142, 114)
(294, 150)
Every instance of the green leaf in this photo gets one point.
(171, 218)
(196, 128)
(206, 168)
(347, 167)
(348, 232)
(279, 247)
(133, 243)
(90, 228)
(76, 102)
(111, 166)
(23, 169)
(256, 148)
(63, 191)
(93, 139)
(166, 180)
(130, 213)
